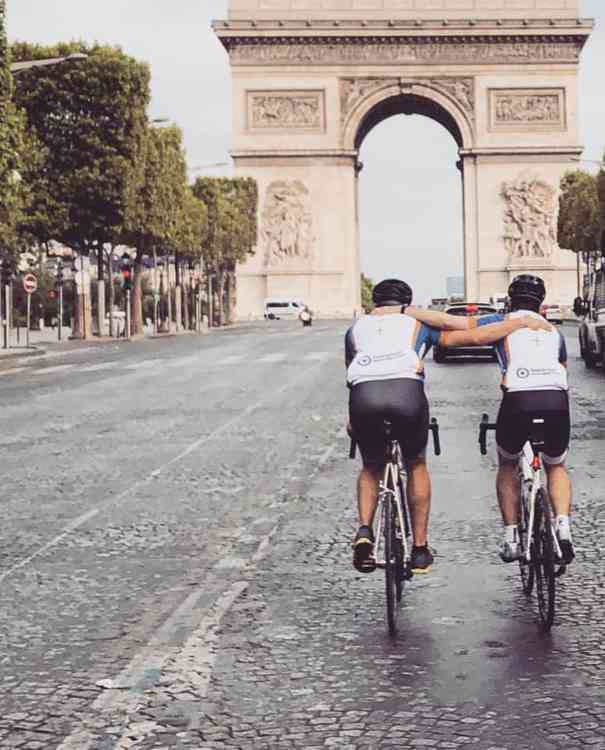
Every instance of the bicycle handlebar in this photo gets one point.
(483, 430)
(433, 427)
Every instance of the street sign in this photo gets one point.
(30, 283)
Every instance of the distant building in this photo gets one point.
(454, 286)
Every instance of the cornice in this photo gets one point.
(306, 28)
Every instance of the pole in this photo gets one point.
(210, 305)
(29, 310)
(6, 316)
(579, 293)
(156, 292)
(127, 328)
(60, 326)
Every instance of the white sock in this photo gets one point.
(510, 534)
(563, 527)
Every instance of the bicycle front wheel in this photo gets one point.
(393, 565)
(544, 561)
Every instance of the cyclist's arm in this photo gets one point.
(439, 320)
(492, 332)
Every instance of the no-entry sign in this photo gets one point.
(30, 283)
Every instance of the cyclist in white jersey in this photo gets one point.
(534, 382)
(385, 374)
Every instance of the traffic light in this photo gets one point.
(7, 270)
(59, 274)
(52, 294)
(126, 273)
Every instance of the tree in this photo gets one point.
(90, 117)
(367, 285)
(580, 212)
(232, 233)
(18, 152)
(155, 204)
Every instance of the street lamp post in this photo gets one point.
(126, 275)
(19, 67)
(60, 285)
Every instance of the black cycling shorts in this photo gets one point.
(515, 417)
(403, 403)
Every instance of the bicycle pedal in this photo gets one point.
(561, 570)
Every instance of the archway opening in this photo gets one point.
(410, 198)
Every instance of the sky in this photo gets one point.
(410, 189)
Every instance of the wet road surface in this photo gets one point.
(175, 562)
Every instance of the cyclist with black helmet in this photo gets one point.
(384, 353)
(534, 382)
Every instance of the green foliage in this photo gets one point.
(17, 151)
(367, 285)
(90, 118)
(580, 213)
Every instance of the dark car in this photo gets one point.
(468, 310)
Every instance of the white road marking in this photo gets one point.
(231, 360)
(317, 356)
(99, 367)
(14, 371)
(144, 364)
(76, 523)
(272, 358)
(48, 370)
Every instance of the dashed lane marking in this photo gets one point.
(49, 370)
(76, 523)
(14, 371)
(317, 356)
(233, 359)
(272, 358)
(99, 367)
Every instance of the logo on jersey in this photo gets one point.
(523, 373)
(364, 360)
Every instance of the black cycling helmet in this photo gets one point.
(527, 290)
(392, 292)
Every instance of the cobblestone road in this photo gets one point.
(175, 563)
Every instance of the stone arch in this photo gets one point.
(414, 97)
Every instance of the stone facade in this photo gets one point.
(311, 79)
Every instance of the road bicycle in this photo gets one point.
(392, 527)
(540, 562)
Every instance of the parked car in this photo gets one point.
(467, 309)
(591, 308)
(275, 309)
(552, 313)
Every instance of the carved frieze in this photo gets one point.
(353, 90)
(286, 110)
(287, 224)
(530, 229)
(513, 109)
(401, 50)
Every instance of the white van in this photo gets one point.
(282, 308)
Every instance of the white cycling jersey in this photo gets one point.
(385, 347)
(531, 360)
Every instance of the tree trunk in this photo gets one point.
(100, 292)
(231, 297)
(137, 295)
(112, 332)
(186, 302)
(82, 328)
(221, 298)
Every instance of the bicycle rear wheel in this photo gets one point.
(526, 569)
(544, 561)
(393, 564)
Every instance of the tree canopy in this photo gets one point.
(581, 213)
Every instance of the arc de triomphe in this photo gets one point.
(311, 78)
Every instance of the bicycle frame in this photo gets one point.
(530, 473)
(389, 487)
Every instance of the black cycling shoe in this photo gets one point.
(422, 559)
(567, 551)
(363, 550)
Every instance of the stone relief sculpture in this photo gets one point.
(287, 223)
(519, 107)
(353, 90)
(286, 110)
(398, 50)
(529, 219)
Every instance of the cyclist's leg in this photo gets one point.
(412, 420)
(557, 431)
(511, 435)
(366, 418)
